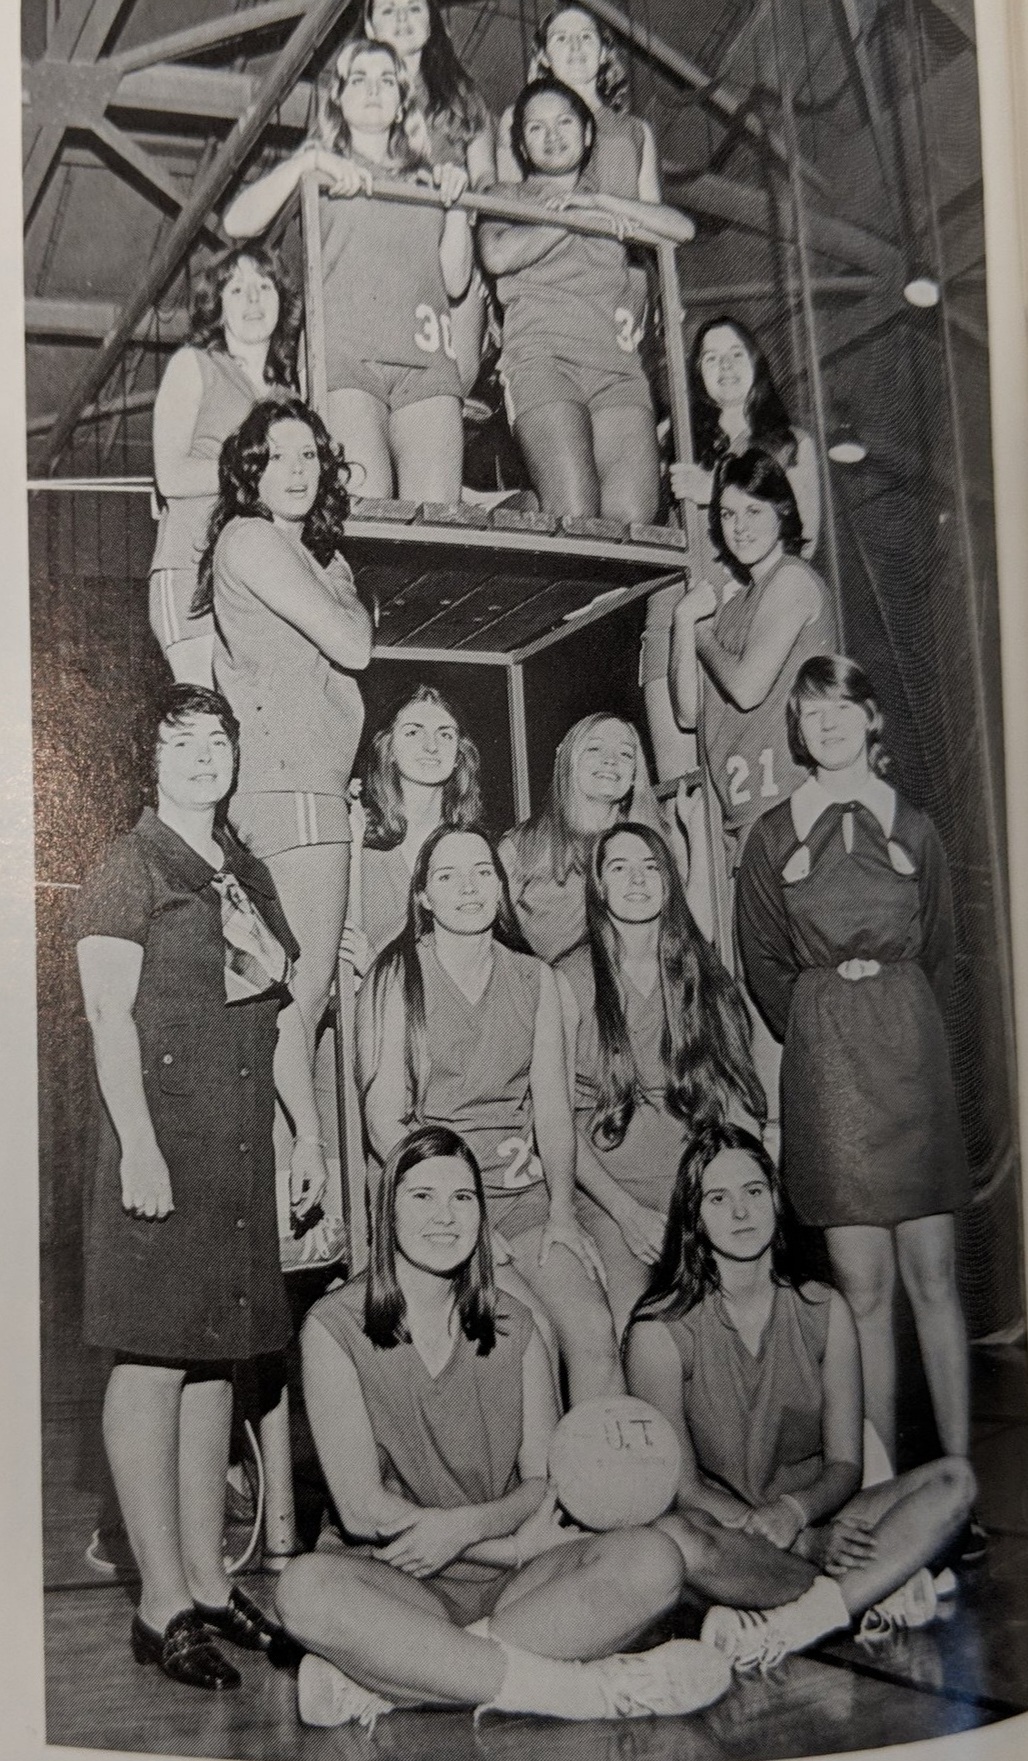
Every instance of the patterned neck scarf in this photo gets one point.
(255, 960)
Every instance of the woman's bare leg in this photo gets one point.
(556, 441)
(625, 450)
(313, 885)
(360, 423)
(578, 1309)
(627, 1276)
(141, 1434)
(740, 1571)
(914, 1518)
(926, 1253)
(509, 1279)
(467, 327)
(277, 1455)
(590, 1597)
(205, 1426)
(864, 1265)
(427, 442)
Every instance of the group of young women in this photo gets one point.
(563, 1092)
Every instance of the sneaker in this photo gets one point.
(914, 1604)
(327, 1697)
(669, 1681)
(753, 1638)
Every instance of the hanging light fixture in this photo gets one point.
(845, 446)
(922, 288)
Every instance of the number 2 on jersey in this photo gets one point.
(525, 1169)
(739, 773)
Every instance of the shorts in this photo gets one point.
(171, 595)
(548, 379)
(514, 1212)
(466, 1600)
(396, 386)
(288, 819)
(655, 654)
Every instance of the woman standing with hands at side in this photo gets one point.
(845, 921)
(185, 959)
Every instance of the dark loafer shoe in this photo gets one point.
(241, 1622)
(185, 1652)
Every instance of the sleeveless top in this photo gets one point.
(755, 1422)
(480, 1058)
(576, 302)
(385, 299)
(551, 912)
(227, 398)
(747, 750)
(616, 158)
(443, 1441)
(385, 891)
(300, 716)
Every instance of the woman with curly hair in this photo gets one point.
(659, 1042)
(291, 635)
(244, 323)
(735, 406)
(390, 272)
(421, 772)
(460, 131)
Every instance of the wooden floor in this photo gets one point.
(966, 1671)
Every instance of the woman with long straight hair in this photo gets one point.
(845, 922)
(659, 1043)
(432, 1409)
(458, 1024)
(390, 271)
(244, 321)
(759, 1373)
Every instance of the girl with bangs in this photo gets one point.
(244, 323)
(659, 1044)
(845, 922)
(458, 1024)
(599, 779)
(390, 271)
(421, 772)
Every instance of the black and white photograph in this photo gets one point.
(525, 870)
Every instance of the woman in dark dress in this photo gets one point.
(846, 928)
(185, 957)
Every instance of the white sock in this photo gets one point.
(548, 1686)
(819, 1611)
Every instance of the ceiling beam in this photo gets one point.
(208, 94)
(746, 206)
(853, 42)
(133, 404)
(82, 30)
(92, 320)
(42, 155)
(306, 39)
(960, 14)
(211, 35)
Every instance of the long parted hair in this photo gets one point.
(453, 100)
(383, 797)
(767, 418)
(705, 1043)
(687, 1269)
(385, 1311)
(756, 473)
(207, 324)
(833, 675)
(398, 963)
(611, 79)
(553, 841)
(408, 136)
(243, 461)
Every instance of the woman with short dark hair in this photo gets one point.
(185, 959)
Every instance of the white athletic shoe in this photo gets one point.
(671, 1680)
(327, 1697)
(753, 1638)
(914, 1604)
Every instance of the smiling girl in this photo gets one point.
(390, 271)
(845, 922)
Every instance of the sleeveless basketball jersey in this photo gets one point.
(755, 1421)
(747, 750)
(443, 1441)
(616, 158)
(480, 1058)
(575, 302)
(385, 890)
(385, 299)
(227, 398)
(300, 717)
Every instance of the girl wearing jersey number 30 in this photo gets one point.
(390, 271)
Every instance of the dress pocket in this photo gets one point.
(174, 1061)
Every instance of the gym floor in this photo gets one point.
(968, 1670)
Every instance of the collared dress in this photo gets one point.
(870, 1130)
(204, 1283)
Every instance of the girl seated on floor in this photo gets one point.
(432, 1407)
(390, 271)
(760, 1377)
(577, 395)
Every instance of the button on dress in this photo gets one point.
(204, 1282)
